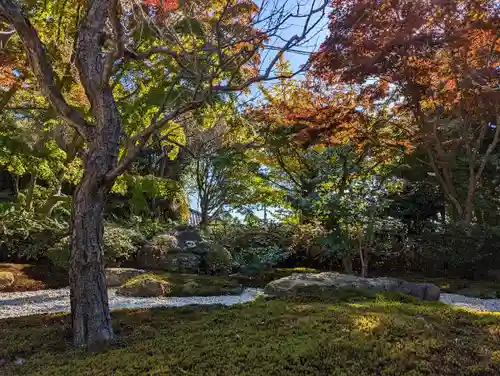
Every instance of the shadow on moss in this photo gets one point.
(350, 334)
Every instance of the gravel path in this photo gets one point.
(51, 301)
(477, 304)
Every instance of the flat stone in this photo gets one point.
(330, 282)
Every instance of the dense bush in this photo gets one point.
(26, 237)
(260, 246)
(148, 227)
(438, 250)
(219, 260)
(457, 250)
(120, 245)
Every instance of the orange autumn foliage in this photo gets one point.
(440, 51)
(441, 60)
(163, 5)
(333, 115)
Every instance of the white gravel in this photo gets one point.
(477, 304)
(51, 301)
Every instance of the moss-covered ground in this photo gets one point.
(34, 277)
(350, 335)
(189, 284)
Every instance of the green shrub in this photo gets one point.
(148, 227)
(258, 247)
(24, 236)
(218, 260)
(120, 245)
(468, 252)
(254, 259)
(58, 254)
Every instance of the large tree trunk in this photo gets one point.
(89, 296)
(91, 317)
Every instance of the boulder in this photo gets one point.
(153, 254)
(182, 263)
(6, 279)
(181, 250)
(189, 240)
(330, 282)
(145, 287)
(118, 276)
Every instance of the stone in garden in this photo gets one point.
(118, 276)
(182, 263)
(19, 361)
(189, 240)
(145, 287)
(181, 250)
(6, 279)
(330, 282)
(153, 254)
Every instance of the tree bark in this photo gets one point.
(89, 297)
(347, 264)
(31, 192)
(91, 317)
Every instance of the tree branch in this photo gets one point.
(140, 140)
(113, 12)
(41, 66)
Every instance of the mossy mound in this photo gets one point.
(146, 286)
(32, 277)
(347, 335)
(6, 279)
(179, 285)
(262, 278)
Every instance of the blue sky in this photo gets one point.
(300, 54)
(294, 26)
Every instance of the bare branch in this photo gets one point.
(489, 150)
(114, 10)
(142, 138)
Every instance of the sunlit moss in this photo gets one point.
(283, 337)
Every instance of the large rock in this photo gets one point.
(6, 279)
(182, 262)
(181, 250)
(118, 276)
(189, 240)
(330, 282)
(145, 287)
(154, 253)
